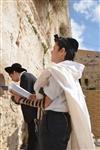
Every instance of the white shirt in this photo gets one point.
(21, 74)
(56, 93)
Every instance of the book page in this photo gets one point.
(18, 90)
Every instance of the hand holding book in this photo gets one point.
(18, 93)
(17, 90)
(21, 96)
(16, 99)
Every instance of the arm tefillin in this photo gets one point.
(33, 103)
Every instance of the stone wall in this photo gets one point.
(93, 103)
(90, 83)
(27, 29)
(91, 75)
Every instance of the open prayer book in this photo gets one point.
(16, 89)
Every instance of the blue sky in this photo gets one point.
(85, 22)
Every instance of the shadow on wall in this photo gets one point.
(2, 83)
(12, 141)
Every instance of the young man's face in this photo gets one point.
(57, 55)
(14, 76)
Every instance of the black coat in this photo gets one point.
(27, 82)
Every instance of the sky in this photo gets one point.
(85, 23)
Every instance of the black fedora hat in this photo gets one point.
(15, 67)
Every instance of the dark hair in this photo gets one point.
(70, 45)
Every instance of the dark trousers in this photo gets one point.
(55, 129)
(32, 138)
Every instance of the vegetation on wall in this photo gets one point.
(44, 47)
(31, 23)
(63, 29)
(57, 4)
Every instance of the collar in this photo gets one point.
(21, 74)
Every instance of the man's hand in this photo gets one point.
(15, 98)
(48, 101)
(32, 97)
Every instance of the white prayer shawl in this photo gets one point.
(67, 74)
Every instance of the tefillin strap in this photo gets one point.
(36, 103)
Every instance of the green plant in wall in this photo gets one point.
(63, 29)
(44, 47)
(58, 4)
(31, 22)
(34, 29)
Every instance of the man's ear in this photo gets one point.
(63, 51)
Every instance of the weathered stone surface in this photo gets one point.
(27, 29)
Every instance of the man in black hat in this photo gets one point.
(27, 80)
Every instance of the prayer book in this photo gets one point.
(16, 89)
